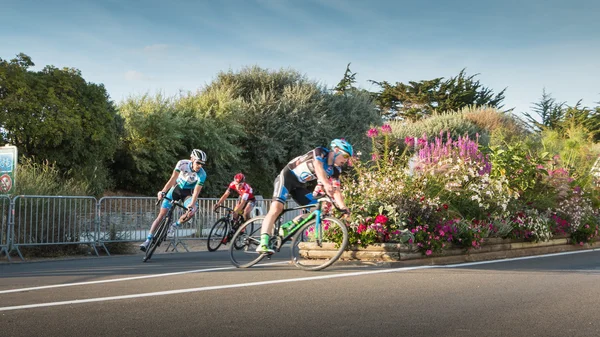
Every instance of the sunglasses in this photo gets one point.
(199, 162)
(345, 155)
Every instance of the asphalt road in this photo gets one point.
(201, 294)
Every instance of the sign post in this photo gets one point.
(8, 169)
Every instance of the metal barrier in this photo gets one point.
(53, 220)
(34, 220)
(5, 228)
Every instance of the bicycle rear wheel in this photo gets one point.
(245, 241)
(161, 234)
(217, 234)
(310, 253)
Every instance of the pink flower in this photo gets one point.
(372, 133)
(428, 252)
(386, 128)
(409, 141)
(374, 156)
(382, 219)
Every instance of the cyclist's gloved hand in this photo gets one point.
(215, 208)
(191, 209)
(160, 195)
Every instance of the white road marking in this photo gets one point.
(253, 284)
(125, 279)
(467, 264)
(228, 286)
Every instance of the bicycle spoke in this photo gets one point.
(246, 239)
(314, 250)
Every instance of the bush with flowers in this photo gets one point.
(433, 193)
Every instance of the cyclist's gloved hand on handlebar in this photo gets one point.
(215, 208)
(160, 195)
(191, 209)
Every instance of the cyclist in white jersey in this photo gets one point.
(185, 184)
(320, 164)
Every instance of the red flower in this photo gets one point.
(445, 206)
(382, 219)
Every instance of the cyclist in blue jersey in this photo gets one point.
(321, 164)
(185, 184)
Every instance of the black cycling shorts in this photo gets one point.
(286, 184)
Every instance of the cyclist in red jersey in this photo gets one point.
(246, 201)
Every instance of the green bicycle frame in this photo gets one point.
(314, 214)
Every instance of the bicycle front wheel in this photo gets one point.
(159, 236)
(245, 241)
(312, 250)
(217, 234)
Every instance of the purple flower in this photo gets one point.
(386, 128)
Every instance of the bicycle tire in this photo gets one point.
(248, 236)
(216, 235)
(239, 242)
(314, 260)
(161, 233)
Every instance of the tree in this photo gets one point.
(417, 100)
(285, 115)
(55, 115)
(548, 110)
(346, 83)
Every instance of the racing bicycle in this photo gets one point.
(317, 241)
(163, 228)
(223, 230)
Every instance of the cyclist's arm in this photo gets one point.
(339, 198)
(195, 194)
(223, 197)
(322, 177)
(172, 181)
(241, 204)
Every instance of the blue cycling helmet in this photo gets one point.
(343, 145)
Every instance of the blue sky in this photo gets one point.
(134, 47)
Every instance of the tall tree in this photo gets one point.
(346, 83)
(416, 100)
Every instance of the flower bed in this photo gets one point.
(449, 194)
(408, 254)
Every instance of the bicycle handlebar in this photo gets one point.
(221, 206)
(173, 202)
(324, 197)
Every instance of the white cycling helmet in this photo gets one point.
(198, 155)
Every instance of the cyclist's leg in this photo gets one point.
(280, 191)
(164, 208)
(188, 214)
(239, 206)
(248, 209)
(302, 196)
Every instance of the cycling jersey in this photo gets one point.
(244, 190)
(188, 179)
(303, 166)
(300, 170)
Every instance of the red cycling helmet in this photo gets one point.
(240, 177)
